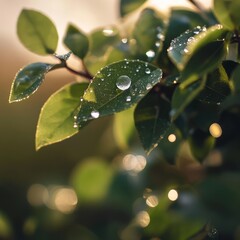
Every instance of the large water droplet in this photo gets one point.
(123, 82)
(147, 71)
(95, 114)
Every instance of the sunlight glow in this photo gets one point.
(65, 200)
(173, 195)
(37, 195)
(152, 201)
(172, 138)
(215, 130)
(143, 219)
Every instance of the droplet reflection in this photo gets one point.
(172, 195)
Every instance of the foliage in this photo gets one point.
(180, 74)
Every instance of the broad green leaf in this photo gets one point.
(76, 41)
(28, 80)
(178, 47)
(180, 21)
(123, 128)
(117, 87)
(91, 179)
(149, 35)
(204, 54)
(217, 87)
(182, 97)
(101, 42)
(200, 143)
(227, 12)
(56, 120)
(127, 6)
(37, 32)
(235, 80)
(152, 120)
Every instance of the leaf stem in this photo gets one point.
(64, 64)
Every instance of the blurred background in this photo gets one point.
(91, 186)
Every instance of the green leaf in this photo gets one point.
(28, 80)
(152, 120)
(123, 128)
(200, 143)
(227, 12)
(100, 42)
(235, 80)
(117, 87)
(91, 180)
(205, 54)
(178, 47)
(217, 87)
(149, 35)
(182, 97)
(76, 41)
(56, 120)
(127, 6)
(37, 32)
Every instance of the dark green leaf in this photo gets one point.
(28, 80)
(127, 6)
(235, 80)
(178, 47)
(152, 120)
(76, 41)
(217, 87)
(37, 32)
(200, 144)
(56, 120)
(182, 97)
(149, 35)
(117, 87)
(101, 42)
(204, 54)
(227, 12)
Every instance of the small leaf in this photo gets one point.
(91, 179)
(178, 47)
(37, 32)
(56, 120)
(127, 6)
(182, 97)
(205, 54)
(152, 120)
(123, 128)
(149, 35)
(76, 41)
(28, 80)
(227, 12)
(100, 41)
(117, 87)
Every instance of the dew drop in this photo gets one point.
(149, 86)
(123, 82)
(75, 125)
(157, 44)
(109, 32)
(147, 71)
(150, 54)
(124, 40)
(95, 114)
(128, 98)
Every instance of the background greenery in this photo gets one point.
(98, 186)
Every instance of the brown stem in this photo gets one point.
(84, 74)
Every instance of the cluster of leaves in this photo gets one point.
(180, 73)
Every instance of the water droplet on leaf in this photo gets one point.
(123, 82)
(95, 114)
